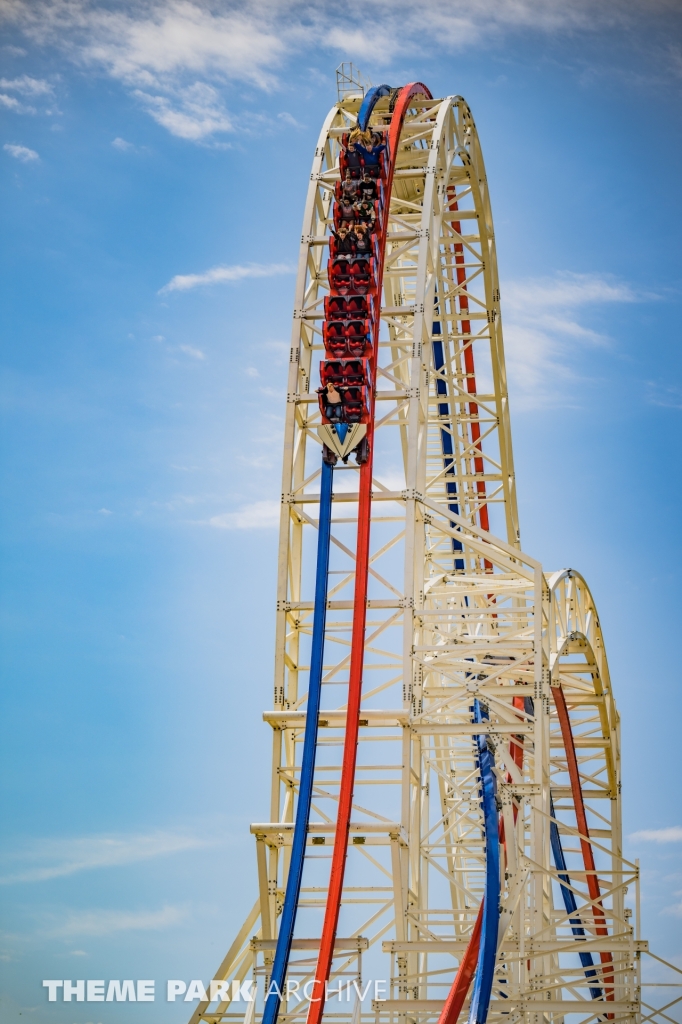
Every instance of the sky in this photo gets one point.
(154, 159)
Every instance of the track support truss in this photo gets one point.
(482, 866)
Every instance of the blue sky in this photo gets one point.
(154, 161)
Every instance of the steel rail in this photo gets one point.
(568, 895)
(446, 437)
(338, 865)
(583, 829)
(483, 516)
(369, 102)
(487, 954)
(305, 790)
(465, 972)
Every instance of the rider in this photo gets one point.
(364, 212)
(354, 160)
(368, 187)
(333, 403)
(346, 208)
(358, 135)
(363, 242)
(345, 243)
(349, 187)
(371, 157)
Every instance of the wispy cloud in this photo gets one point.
(169, 52)
(25, 86)
(106, 922)
(237, 272)
(193, 113)
(58, 858)
(673, 834)
(121, 144)
(22, 153)
(12, 103)
(260, 515)
(545, 325)
(667, 395)
(190, 350)
(289, 119)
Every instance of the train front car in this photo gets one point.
(445, 797)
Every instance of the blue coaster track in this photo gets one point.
(446, 436)
(305, 792)
(487, 954)
(586, 959)
(369, 102)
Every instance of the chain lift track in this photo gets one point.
(445, 793)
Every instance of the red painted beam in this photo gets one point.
(350, 747)
(585, 844)
(469, 368)
(465, 972)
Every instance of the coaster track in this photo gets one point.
(496, 740)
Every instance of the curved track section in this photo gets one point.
(369, 103)
(443, 724)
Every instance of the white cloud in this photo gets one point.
(673, 834)
(121, 144)
(260, 515)
(27, 86)
(154, 40)
(24, 85)
(22, 153)
(569, 291)
(105, 512)
(183, 282)
(57, 858)
(12, 103)
(193, 113)
(190, 350)
(290, 120)
(392, 479)
(164, 49)
(105, 922)
(544, 328)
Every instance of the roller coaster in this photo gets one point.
(445, 804)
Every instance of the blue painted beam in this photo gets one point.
(305, 792)
(569, 898)
(446, 437)
(487, 954)
(369, 103)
